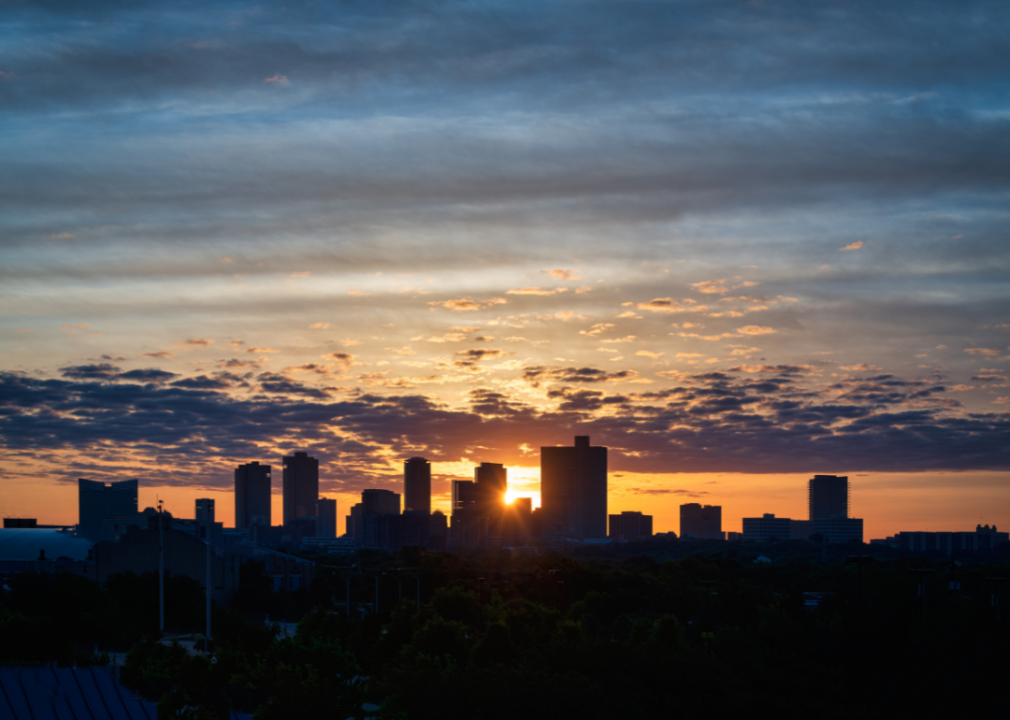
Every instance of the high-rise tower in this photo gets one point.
(573, 490)
(97, 501)
(492, 484)
(417, 485)
(301, 486)
(828, 496)
(252, 495)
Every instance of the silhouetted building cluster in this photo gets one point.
(984, 539)
(702, 522)
(573, 491)
(829, 521)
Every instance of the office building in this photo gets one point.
(985, 539)
(492, 484)
(828, 497)
(417, 485)
(765, 528)
(301, 486)
(326, 518)
(374, 521)
(630, 526)
(703, 522)
(98, 501)
(253, 496)
(380, 502)
(573, 490)
(205, 510)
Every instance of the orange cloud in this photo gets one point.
(466, 304)
(756, 330)
(853, 246)
(559, 274)
(535, 291)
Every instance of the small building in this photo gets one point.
(765, 528)
(630, 526)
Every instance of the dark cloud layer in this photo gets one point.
(706, 424)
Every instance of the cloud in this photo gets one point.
(279, 79)
(535, 291)
(341, 358)
(536, 375)
(559, 274)
(255, 349)
(650, 354)
(861, 367)
(481, 354)
(160, 354)
(711, 286)
(467, 305)
(61, 236)
(756, 330)
(100, 371)
(707, 422)
(447, 338)
(669, 305)
(197, 342)
(319, 326)
(148, 375)
(597, 329)
(983, 352)
(853, 246)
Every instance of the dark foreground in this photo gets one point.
(547, 636)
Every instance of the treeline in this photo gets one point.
(498, 636)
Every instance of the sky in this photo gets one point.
(738, 243)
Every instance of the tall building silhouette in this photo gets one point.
(252, 496)
(828, 496)
(701, 521)
(492, 484)
(97, 501)
(326, 518)
(301, 486)
(417, 485)
(573, 490)
(205, 510)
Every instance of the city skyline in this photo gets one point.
(737, 244)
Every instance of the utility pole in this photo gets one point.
(210, 578)
(161, 570)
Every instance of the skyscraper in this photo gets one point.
(828, 496)
(97, 501)
(573, 490)
(492, 484)
(252, 496)
(417, 485)
(205, 510)
(301, 486)
(326, 518)
(701, 521)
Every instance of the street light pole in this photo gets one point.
(161, 570)
(210, 584)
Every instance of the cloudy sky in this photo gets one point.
(738, 243)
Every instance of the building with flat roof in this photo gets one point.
(301, 486)
(417, 485)
(765, 528)
(573, 490)
(326, 518)
(630, 526)
(828, 496)
(98, 501)
(253, 496)
(701, 521)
